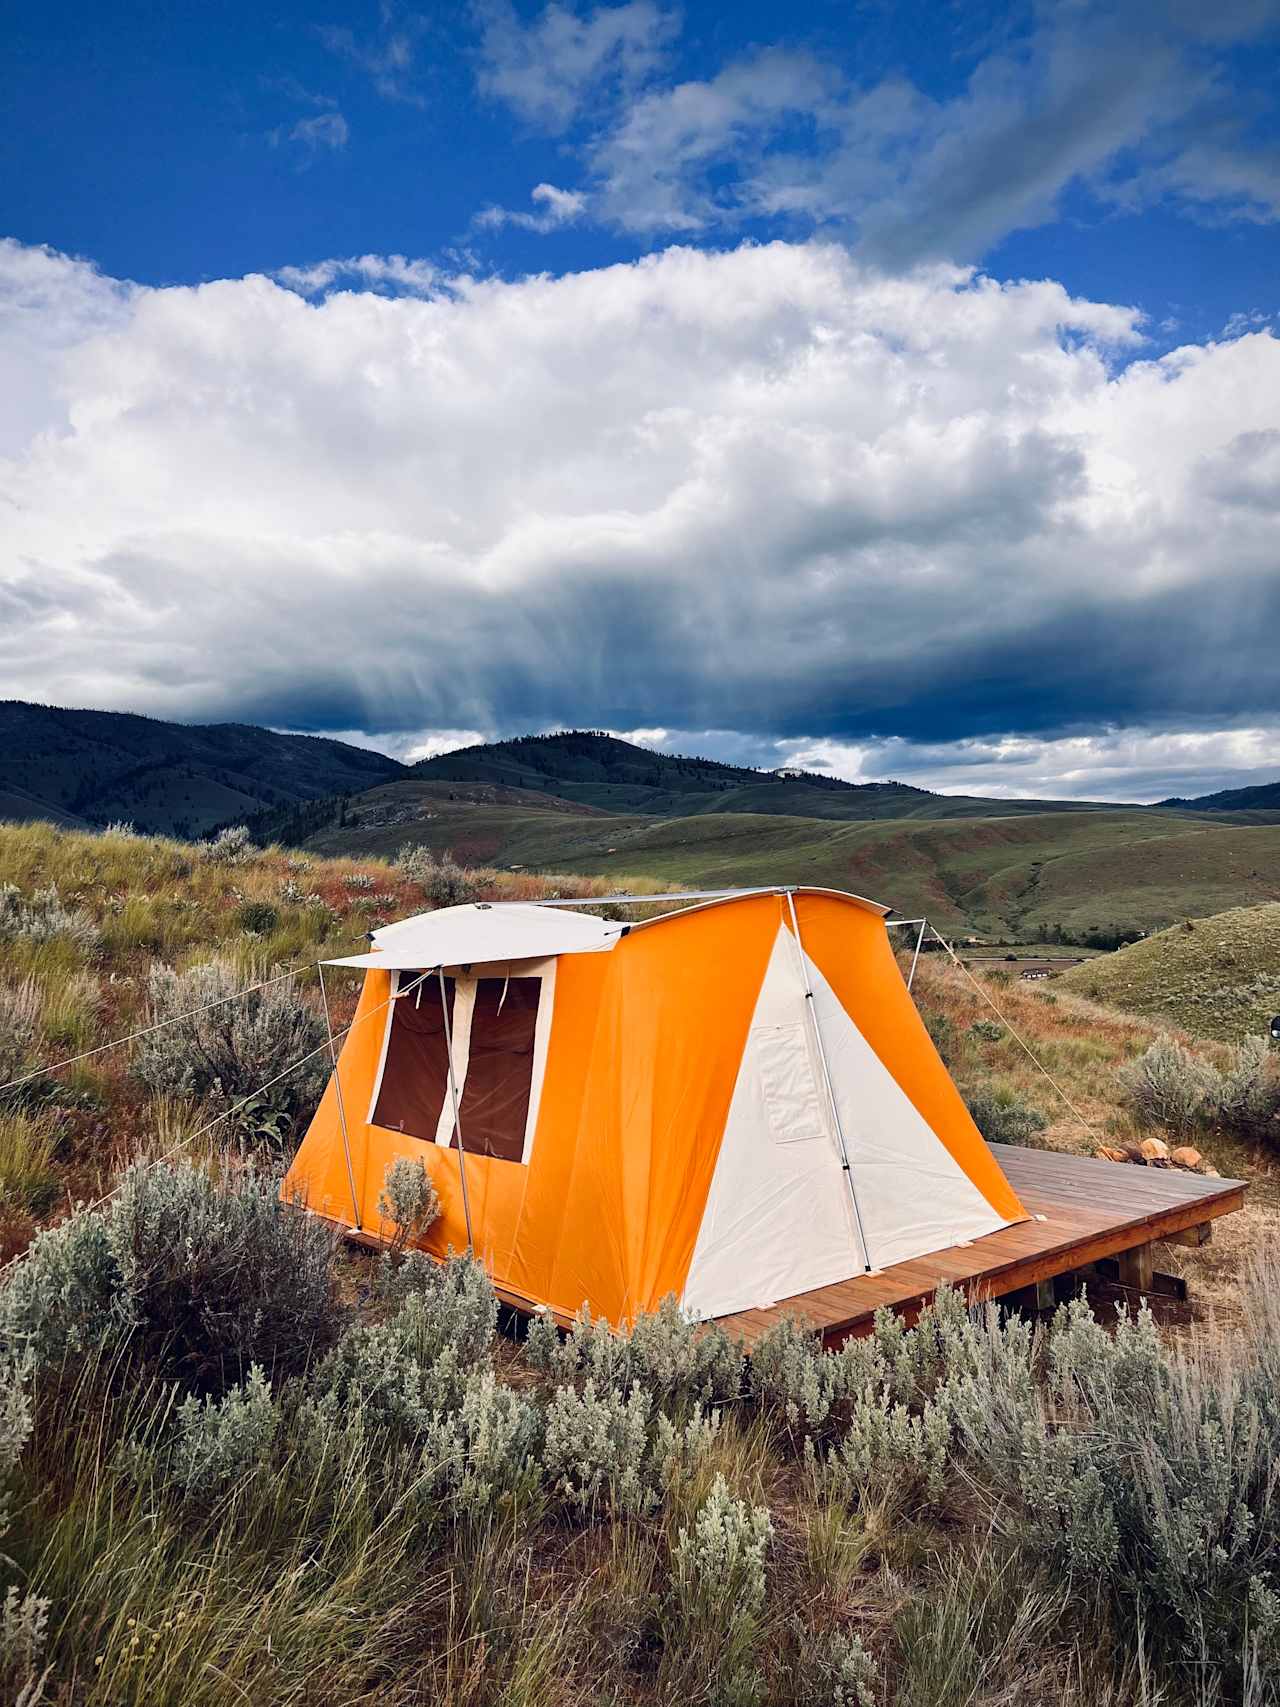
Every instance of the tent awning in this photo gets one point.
(479, 932)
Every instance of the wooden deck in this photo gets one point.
(1090, 1210)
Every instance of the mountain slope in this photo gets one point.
(1264, 797)
(89, 768)
(1216, 977)
(595, 769)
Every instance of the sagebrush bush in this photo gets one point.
(610, 1451)
(43, 917)
(810, 1390)
(1002, 1117)
(677, 1360)
(232, 846)
(443, 881)
(23, 1617)
(221, 1441)
(409, 1200)
(833, 1669)
(227, 1052)
(198, 1278)
(711, 1611)
(1168, 1086)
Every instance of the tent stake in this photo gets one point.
(342, 1110)
(457, 1123)
(924, 925)
(826, 1078)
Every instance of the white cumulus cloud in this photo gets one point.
(765, 491)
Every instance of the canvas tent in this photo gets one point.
(734, 1103)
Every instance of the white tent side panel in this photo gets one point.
(778, 1219)
(913, 1196)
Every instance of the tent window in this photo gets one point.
(495, 1096)
(787, 1084)
(415, 1072)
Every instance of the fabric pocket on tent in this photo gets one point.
(787, 1084)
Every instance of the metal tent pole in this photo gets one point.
(826, 1079)
(453, 1092)
(924, 925)
(342, 1109)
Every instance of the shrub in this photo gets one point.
(402, 1371)
(64, 1297)
(887, 1453)
(1002, 1117)
(606, 1450)
(217, 1277)
(258, 918)
(201, 1279)
(359, 880)
(445, 883)
(677, 1360)
(486, 1449)
(43, 917)
(711, 1611)
(1169, 1087)
(834, 1670)
(23, 1617)
(19, 1030)
(808, 1389)
(987, 1030)
(227, 1052)
(221, 1441)
(231, 846)
(409, 1200)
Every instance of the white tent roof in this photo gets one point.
(479, 932)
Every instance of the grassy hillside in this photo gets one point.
(1216, 977)
(93, 768)
(1014, 877)
(301, 1477)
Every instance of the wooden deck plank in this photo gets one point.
(1090, 1210)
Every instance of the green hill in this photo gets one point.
(90, 768)
(1216, 977)
(1036, 877)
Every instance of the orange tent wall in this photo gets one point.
(645, 1047)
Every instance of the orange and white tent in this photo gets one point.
(734, 1103)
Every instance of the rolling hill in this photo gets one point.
(1263, 797)
(1081, 875)
(1215, 977)
(84, 769)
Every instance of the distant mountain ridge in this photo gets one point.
(85, 769)
(593, 768)
(1262, 797)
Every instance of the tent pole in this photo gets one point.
(826, 1078)
(453, 1092)
(342, 1108)
(924, 925)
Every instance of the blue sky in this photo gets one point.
(172, 145)
(961, 315)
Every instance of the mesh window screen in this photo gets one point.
(415, 1076)
(495, 1098)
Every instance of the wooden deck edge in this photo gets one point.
(1063, 1259)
